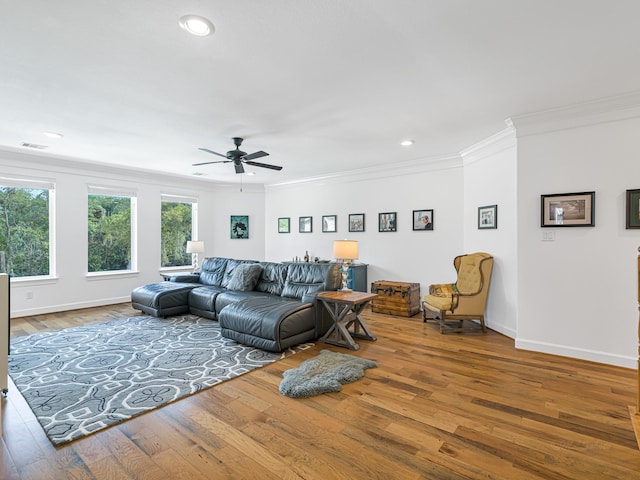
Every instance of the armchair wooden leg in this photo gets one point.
(484, 327)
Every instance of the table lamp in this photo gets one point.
(194, 248)
(344, 251)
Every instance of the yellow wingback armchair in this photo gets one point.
(465, 299)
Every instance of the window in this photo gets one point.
(26, 210)
(111, 225)
(178, 226)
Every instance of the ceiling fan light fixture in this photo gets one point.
(406, 143)
(197, 25)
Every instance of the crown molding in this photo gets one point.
(410, 167)
(499, 142)
(603, 110)
(50, 164)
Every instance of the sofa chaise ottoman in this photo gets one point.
(162, 299)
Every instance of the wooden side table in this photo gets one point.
(345, 308)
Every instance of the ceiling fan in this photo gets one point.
(238, 157)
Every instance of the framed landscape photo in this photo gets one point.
(387, 222)
(423, 219)
(305, 224)
(633, 209)
(239, 226)
(329, 223)
(568, 210)
(488, 217)
(356, 222)
(284, 225)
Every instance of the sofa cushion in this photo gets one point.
(245, 277)
(307, 279)
(203, 299)
(228, 297)
(272, 279)
(212, 271)
(270, 323)
(230, 268)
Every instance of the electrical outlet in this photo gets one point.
(29, 295)
(548, 236)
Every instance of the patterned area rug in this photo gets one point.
(80, 380)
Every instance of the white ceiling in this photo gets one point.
(324, 86)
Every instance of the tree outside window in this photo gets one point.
(109, 222)
(24, 233)
(177, 229)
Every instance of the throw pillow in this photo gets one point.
(245, 277)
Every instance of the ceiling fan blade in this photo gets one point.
(263, 165)
(207, 163)
(251, 156)
(238, 157)
(211, 151)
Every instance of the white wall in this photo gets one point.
(577, 294)
(225, 201)
(423, 257)
(72, 288)
(490, 176)
(574, 296)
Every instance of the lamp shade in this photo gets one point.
(345, 249)
(195, 246)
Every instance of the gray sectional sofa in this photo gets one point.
(267, 305)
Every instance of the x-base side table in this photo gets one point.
(345, 308)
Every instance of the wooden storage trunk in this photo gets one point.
(396, 298)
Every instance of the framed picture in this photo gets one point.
(305, 224)
(329, 223)
(284, 224)
(568, 210)
(633, 209)
(423, 219)
(387, 222)
(239, 226)
(356, 222)
(487, 217)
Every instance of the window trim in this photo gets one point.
(39, 184)
(122, 192)
(177, 198)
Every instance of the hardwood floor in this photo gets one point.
(437, 407)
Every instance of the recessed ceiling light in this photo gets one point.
(199, 174)
(251, 173)
(197, 25)
(406, 143)
(53, 134)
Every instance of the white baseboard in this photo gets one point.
(68, 306)
(504, 330)
(579, 353)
